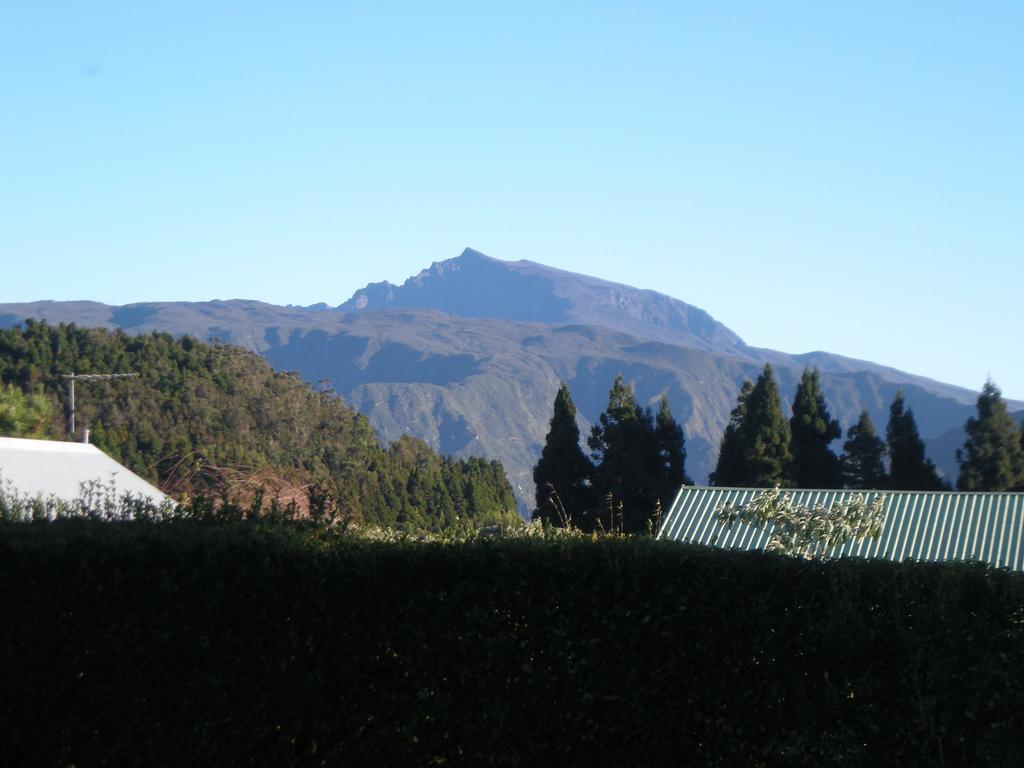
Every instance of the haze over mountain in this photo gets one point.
(468, 355)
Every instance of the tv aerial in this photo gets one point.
(72, 378)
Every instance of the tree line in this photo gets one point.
(636, 464)
(760, 448)
(636, 461)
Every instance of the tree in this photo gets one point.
(863, 454)
(909, 469)
(992, 458)
(672, 446)
(562, 475)
(729, 469)
(672, 450)
(765, 450)
(23, 415)
(627, 477)
(813, 430)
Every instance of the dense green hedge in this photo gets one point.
(193, 644)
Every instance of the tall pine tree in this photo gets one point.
(729, 470)
(992, 458)
(562, 475)
(24, 415)
(627, 478)
(909, 469)
(863, 456)
(813, 430)
(672, 450)
(766, 441)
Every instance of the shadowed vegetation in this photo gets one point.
(253, 644)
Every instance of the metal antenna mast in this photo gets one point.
(73, 377)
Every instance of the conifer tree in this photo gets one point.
(562, 475)
(23, 415)
(672, 450)
(863, 454)
(992, 458)
(627, 478)
(766, 441)
(909, 469)
(729, 470)
(813, 430)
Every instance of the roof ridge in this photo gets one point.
(31, 444)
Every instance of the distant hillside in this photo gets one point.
(467, 355)
(487, 386)
(216, 419)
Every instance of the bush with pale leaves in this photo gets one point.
(796, 529)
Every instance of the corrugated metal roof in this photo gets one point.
(53, 468)
(937, 525)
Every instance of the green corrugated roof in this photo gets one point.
(935, 526)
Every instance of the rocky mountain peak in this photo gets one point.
(476, 285)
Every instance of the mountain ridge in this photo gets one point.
(526, 290)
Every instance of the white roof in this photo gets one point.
(49, 468)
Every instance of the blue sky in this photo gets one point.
(839, 176)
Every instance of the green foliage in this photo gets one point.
(636, 464)
(766, 435)
(992, 458)
(23, 415)
(812, 430)
(639, 462)
(562, 474)
(755, 450)
(909, 469)
(672, 450)
(217, 421)
(803, 531)
(288, 645)
(863, 454)
(730, 470)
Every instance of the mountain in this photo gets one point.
(477, 286)
(468, 354)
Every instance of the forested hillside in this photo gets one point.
(216, 419)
